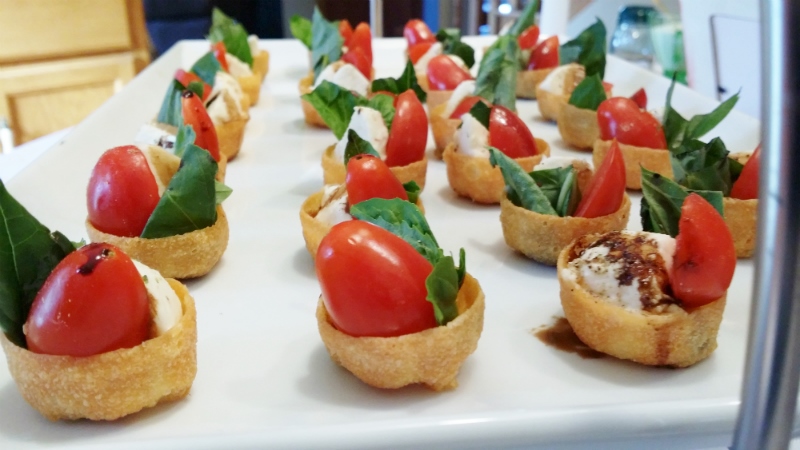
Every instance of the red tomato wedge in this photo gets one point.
(544, 55)
(362, 39)
(373, 282)
(369, 177)
(219, 53)
(417, 51)
(465, 106)
(356, 57)
(705, 258)
(416, 31)
(444, 74)
(186, 78)
(409, 131)
(746, 186)
(528, 38)
(195, 114)
(606, 189)
(93, 302)
(621, 118)
(640, 98)
(346, 30)
(509, 134)
(122, 192)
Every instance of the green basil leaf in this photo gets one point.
(412, 191)
(526, 19)
(357, 146)
(170, 112)
(28, 253)
(703, 123)
(189, 203)
(183, 139)
(662, 200)
(559, 185)
(334, 104)
(221, 192)
(735, 168)
(525, 190)
(588, 94)
(326, 42)
(408, 80)
(678, 129)
(301, 29)
(196, 87)
(673, 123)
(497, 74)
(206, 68)
(452, 45)
(230, 32)
(382, 103)
(702, 166)
(403, 219)
(462, 267)
(587, 49)
(482, 113)
(442, 286)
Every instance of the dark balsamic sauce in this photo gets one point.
(560, 336)
(96, 253)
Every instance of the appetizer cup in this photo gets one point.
(231, 133)
(550, 103)
(528, 81)
(334, 170)
(653, 159)
(741, 216)
(578, 127)
(311, 115)
(251, 86)
(443, 128)
(261, 64)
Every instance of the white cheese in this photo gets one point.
(346, 76)
(459, 62)
(554, 82)
(145, 149)
(224, 86)
(153, 134)
(472, 137)
(462, 91)
(252, 41)
(666, 247)
(164, 302)
(421, 67)
(554, 162)
(334, 211)
(236, 67)
(369, 125)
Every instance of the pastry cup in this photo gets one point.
(231, 133)
(432, 357)
(578, 127)
(550, 104)
(311, 115)
(261, 64)
(422, 81)
(443, 128)
(251, 86)
(528, 81)
(334, 171)
(676, 337)
(741, 216)
(112, 384)
(437, 98)
(474, 177)
(187, 255)
(653, 159)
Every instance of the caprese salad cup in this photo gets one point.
(577, 120)
(741, 207)
(542, 61)
(334, 171)
(249, 81)
(443, 77)
(424, 46)
(554, 91)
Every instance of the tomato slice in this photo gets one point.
(621, 118)
(465, 106)
(509, 134)
(746, 186)
(362, 39)
(219, 53)
(408, 134)
(416, 31)
(528, 38)
(640, 98)
(544, 55)
(417, 51)
(186, 78)
(195, 114)
(356, 57)
(444, 74)
(705, 258)
(369, 177)
(346, 30)
(606, 189)
(373, 282)
(93, 302)
(122, 192)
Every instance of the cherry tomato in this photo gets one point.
(705, 258)
(465, 106)
(528, 38)
(356, 57)
(373, 282)
(417, 51)
(195, 114)
(417, 31)
(369, 177)
(122, 192)
(219, 53)
(409, 131)
(186, 78)
(640, 98)
(509, 134)
(362, 39)
(346, 30)
(93, 302)
(621, 118)
(746, 186)
(544, 55)
(444, 74)
(606, 189)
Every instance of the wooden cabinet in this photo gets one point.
(62, 59)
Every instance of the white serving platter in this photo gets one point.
(264, 378)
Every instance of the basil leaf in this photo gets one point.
(408, 80)
(482, 113)
(301, 29)
(357, 146)
(412, 191)
(526, 19)
(677, 129)
(673, 123)
(442, 286)
(334, 104)
(170, 112)
(206, 68)
(700, 166)
(662, 200)
(452, 45)
(221, 192)
(497, 74)
(183, 139)
(462, 266)
(587, 49)
(231, 33)
(735, 168)
(403, 219)
(526, 192)
(28, 253)
(382, 103)
(326, 42)
(189, 203)
(196, 87)
(589, 93)
(559, 185)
